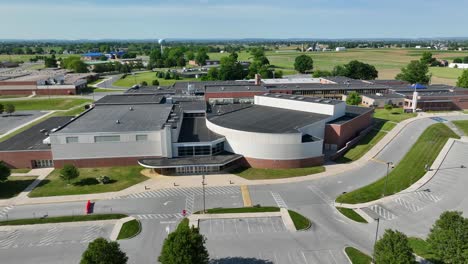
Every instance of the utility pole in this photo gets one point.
(204, 200)
(386, 178)
(376, 235)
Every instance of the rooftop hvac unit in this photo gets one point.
(278, 95)
(378, 94)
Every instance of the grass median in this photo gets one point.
(409, 170)
(129, 229)
(86, 183)
(270, 174)
(47, 104)
(462, 125)
(357, 257)
(62, 219)
(351, 214)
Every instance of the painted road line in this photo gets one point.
(246, 196)
(279, 201)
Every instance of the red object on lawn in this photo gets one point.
(88, 207)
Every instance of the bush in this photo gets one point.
(103, 179)
(155, 82)
(69, 172)
(388, 107)
(4, 172)
(103, 251)
(144, 83)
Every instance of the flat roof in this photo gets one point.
(151, 90)
(387, 96)
(317, 100)
(194, 130)
(216, 160)
(357, 110)
(291, 80)
(31, 139)
(234, 88)
(264, 119)
(118, 118)
(130, 99)
(321, 86)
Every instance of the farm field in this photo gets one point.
(387, 61)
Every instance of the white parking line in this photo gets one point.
(279, 201)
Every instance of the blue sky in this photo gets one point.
(145, 19)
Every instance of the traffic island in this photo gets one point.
(292, 220)
(62, 219)
(126, 228)
(355, 256)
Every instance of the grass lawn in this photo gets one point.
(105, 90)
(129, 229)
(362, 147)
(148, 77)
(11, 96)
(462, 125)
(86, 183)
(351, 214)
(47, 104)
(396, 115)
(14, 186)
(300, 222)
(387, 126)
(357, 257)
(63, 219)
(261, 174)
(20, 170)
(421, 248)
(72, 112)
(409, 170)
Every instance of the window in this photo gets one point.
(141, 137)
(185, 151)
(106, 139)
(71, 140)
(202, 150)
(218, 148)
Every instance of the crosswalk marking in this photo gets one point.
(8, 240)
(183, 192)
(428, 196)
(50, 237)
(4, 211)
(157, 216)
(382, 212)
(91, 233)
(408, 205)
(320, 194)
(279, 201)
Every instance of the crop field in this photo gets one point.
(387, 61)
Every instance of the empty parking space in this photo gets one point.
(242, 226)
(9, 122)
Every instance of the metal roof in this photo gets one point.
(195, 130)
(130, 99)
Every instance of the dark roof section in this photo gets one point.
(317, 100)
(321, 87)
(151, 90)
(195, 130)
(357, 110)
(386, 96)
(217, 160)
(119, 118)
(130, 99)
(195, 105)
(264, 119)
(234, 88)
(390, 82)
(31, 139)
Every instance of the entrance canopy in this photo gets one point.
(167, 163)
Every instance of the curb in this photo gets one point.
(347, 257)
(49, 225)
(116, 230)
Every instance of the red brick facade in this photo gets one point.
(23, 159)
(101, 162)
(281, 164)
(339, 134)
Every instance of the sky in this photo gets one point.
(204, 19)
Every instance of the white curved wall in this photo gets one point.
(267, 146)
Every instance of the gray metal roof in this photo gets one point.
(298, 98)
(124, 99)
(31, 139)
(119, 118)
(386, 96)
(357, 110)
(194, 130)
(230, 88)
(264, 119)
(151, 90)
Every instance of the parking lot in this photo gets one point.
(242, 226)
(8, 122)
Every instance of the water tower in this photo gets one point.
(162, 42)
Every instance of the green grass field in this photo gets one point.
(262, 174)
(62, 219)
(395, 115)
(351, 214)
(148, 77)
(255, 209)
(86, 183)
(46, 104)
(409, 170)
(357, 257)
(300, 222)
(14, 186)
(387, 61)
(421, 248)
(462, 125)
(362, 147)
(129, 229)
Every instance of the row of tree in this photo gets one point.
(447, 240)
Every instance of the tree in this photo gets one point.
(212, 74)
(462, 80)
(201, 57)
(458, 60)
(427, 58)
(2, 108)
(465, 59)
(353, 98)
(230, 69)
(102, 58)
(5, 172)
(448, 237)
(415, 72)
(50, 62)
(155, 82)
(319, 73)
(101, 251)
(190, 55)
(388, 107)
(303, 63)
(144, 83)
(69, 172)
(10, 109)
(359, 70)
(393, 248)
(184, 246)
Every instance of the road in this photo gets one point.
(265, 240)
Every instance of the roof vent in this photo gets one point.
(278, 95)
(117, 121)
(130, 108)
(248, 88)
(222, 88)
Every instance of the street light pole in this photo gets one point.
(376, 235)
(386, 178)
(204, 200)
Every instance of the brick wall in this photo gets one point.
(23, 159)
(339, 134)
